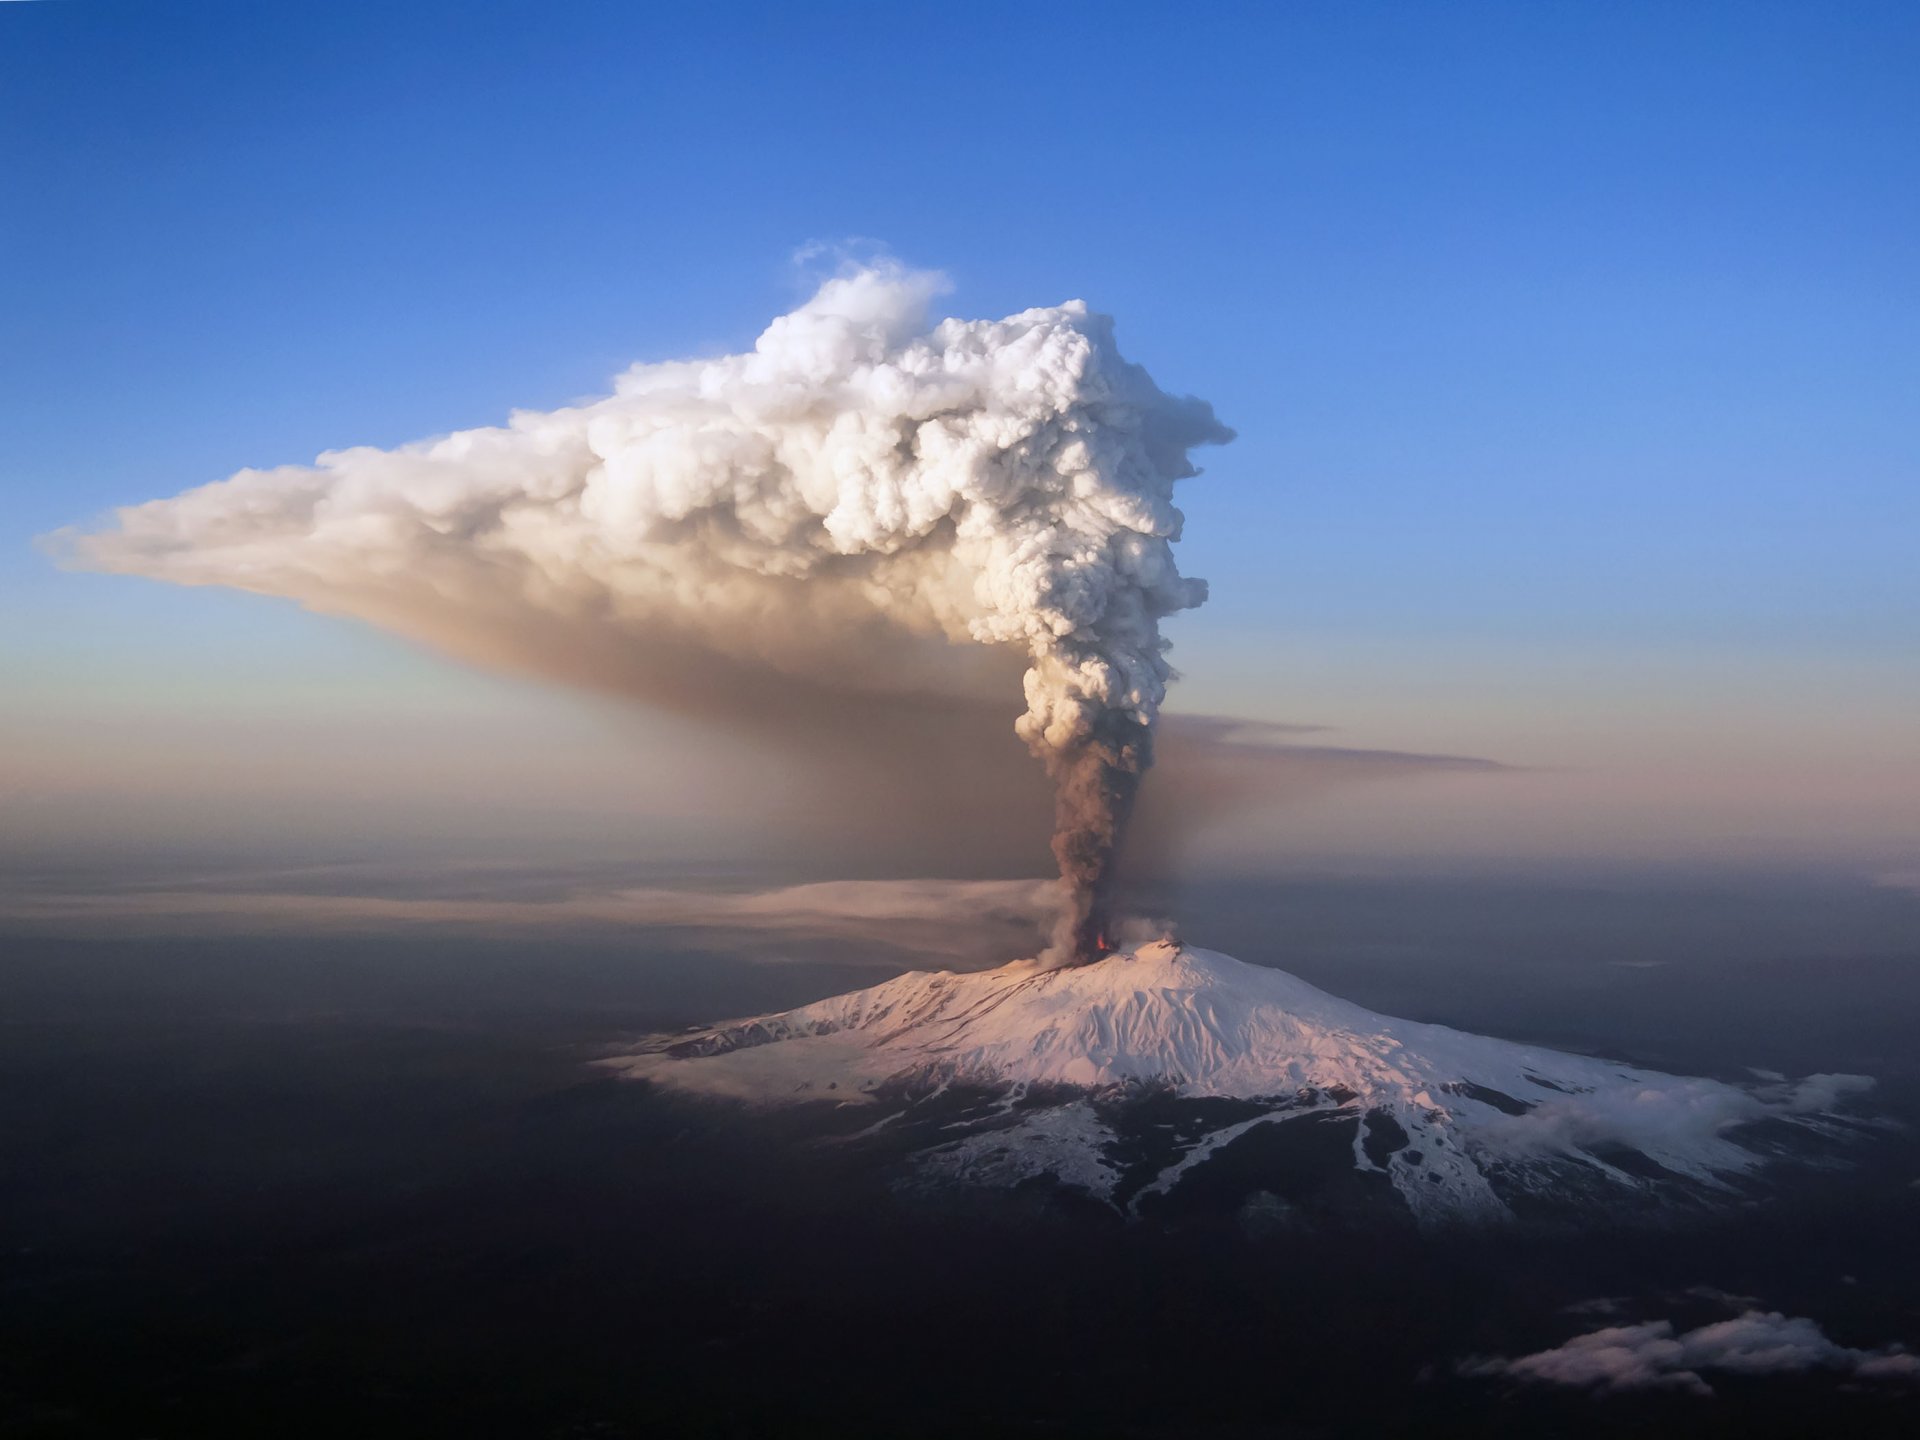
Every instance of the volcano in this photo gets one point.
(1159, 1072)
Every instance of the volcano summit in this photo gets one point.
(1160, 1071)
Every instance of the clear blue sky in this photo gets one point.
(1564, 340)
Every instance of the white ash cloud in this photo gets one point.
(864, 507)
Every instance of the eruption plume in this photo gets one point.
(863, 506)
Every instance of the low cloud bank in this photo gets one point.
(964, 922)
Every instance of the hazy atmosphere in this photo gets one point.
(532, 529)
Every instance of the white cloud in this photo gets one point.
(1654, 1356)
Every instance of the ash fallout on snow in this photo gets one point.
(862, 511)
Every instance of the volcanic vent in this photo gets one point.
(1127, 1077)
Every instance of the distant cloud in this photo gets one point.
(1654, 1356)
(1609, 1305)
(956, 921)
(1713, 1294)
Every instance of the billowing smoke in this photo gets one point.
(864, 507)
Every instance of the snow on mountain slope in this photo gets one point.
(1460, 1125)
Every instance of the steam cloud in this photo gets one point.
(864, 507)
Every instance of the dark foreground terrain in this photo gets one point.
(370, 1186)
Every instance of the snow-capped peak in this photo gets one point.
(1452, 1119)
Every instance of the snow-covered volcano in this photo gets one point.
(1129, 1077)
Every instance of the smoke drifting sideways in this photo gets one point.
(855, 525)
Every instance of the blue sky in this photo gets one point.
(1571, 346)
